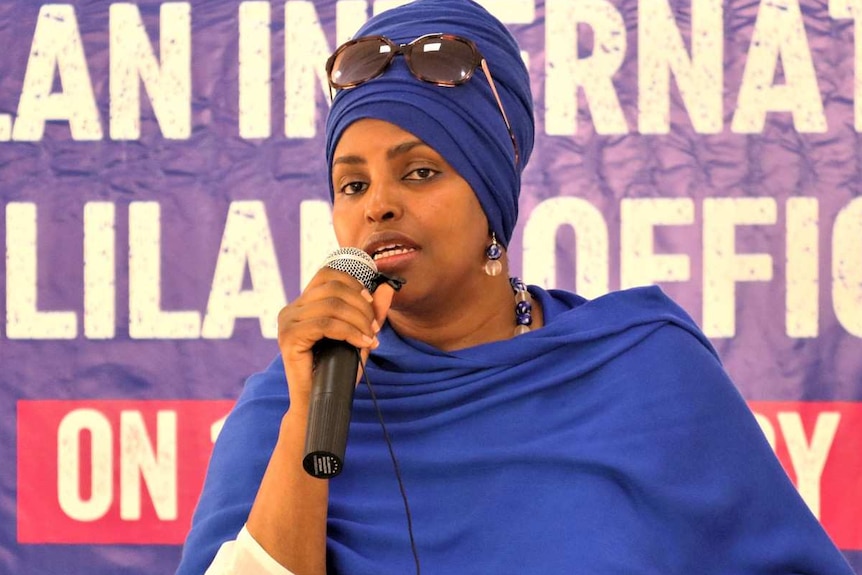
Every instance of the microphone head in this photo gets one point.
(356, 263)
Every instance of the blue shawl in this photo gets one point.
(608, 441)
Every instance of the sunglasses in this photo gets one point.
(441, 59)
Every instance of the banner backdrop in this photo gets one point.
(164, 195)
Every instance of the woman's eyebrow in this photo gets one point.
(392, 152)
(349, 160)
(403, 148)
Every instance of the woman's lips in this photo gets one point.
(390, 249)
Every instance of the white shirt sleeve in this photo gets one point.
(244, 556)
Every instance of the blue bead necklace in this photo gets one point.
(523, 307)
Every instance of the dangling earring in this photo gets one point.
(493, 266)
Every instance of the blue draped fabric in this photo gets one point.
(609, 441)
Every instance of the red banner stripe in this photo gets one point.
(112, 471)
(131, 471)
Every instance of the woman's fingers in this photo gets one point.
(332, 318)
(334, 305)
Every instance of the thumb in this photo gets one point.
(382, 301)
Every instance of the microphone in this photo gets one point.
(334, 377)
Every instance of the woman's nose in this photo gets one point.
(383, 202)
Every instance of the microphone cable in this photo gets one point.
(395, 465)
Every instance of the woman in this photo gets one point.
(534, 432)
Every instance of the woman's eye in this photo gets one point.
(421, 174)
(353, 188)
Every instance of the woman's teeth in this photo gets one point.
(389, 252)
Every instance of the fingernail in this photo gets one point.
(367, 295)
(376, 343)
(368, 341)
(375, 326)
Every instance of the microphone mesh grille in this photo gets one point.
(356, 263)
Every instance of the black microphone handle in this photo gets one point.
(333, 383)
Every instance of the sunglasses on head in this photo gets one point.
(441, 59)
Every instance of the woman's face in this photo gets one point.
(400, 201)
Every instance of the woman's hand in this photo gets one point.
(334, 305)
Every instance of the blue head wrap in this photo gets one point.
(463, 124)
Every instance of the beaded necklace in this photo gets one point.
(523, 307)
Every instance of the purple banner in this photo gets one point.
(164, 194)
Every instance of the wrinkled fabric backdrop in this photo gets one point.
(164, 194)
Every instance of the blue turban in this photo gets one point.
(463, 124)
